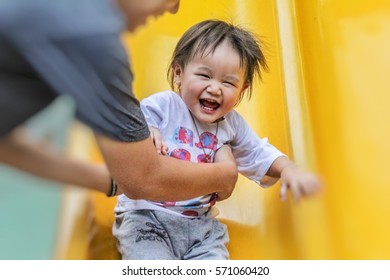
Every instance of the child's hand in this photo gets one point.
(300, 182)
(162, 148)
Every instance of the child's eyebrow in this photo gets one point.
(204, 68)
(232, 78)
(229, 77)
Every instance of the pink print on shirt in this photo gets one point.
(181, 154)
(184, 136)
(207, 141)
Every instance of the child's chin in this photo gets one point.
(207, 119)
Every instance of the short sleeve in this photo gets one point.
(158, 105)
(254, 155)
(95, 72)
(70, 54)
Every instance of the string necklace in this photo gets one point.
(207, 157)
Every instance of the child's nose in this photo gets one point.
(214, 88)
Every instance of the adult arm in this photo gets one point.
(143, 174)
(224, 153)
(37, 158)
(139, 171)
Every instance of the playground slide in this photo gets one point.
(324, 103)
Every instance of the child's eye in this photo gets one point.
(229, 83)
(203, 75)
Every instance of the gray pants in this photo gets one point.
(148, 235)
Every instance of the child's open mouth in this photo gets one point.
(209, 105)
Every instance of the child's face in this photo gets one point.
(137, 11)
(210, 86)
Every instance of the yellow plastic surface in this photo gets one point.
(325, 103)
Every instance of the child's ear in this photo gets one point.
(245, 87)
(178, 72)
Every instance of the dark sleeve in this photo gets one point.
(95, 71)
(22, 93)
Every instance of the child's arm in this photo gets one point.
(300, 182)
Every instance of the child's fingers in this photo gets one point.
(311, 185)
(283, 192)
(158, 145)
(157, 140)
(296, 190)
(164, 148)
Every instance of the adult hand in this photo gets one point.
(225, 154)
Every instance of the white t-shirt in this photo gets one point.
(167, 112)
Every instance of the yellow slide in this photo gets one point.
(325, 102)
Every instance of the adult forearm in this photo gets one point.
(177, 180)
(40, 160)
(143, 174)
